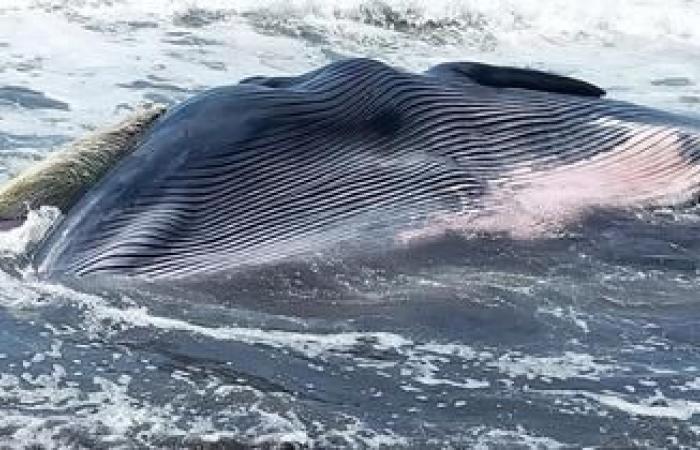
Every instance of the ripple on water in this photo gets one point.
(29, 98)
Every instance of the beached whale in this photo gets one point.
(359, 156)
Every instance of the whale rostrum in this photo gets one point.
(61, 178)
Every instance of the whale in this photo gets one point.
(360, 157)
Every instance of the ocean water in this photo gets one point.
(586, 338)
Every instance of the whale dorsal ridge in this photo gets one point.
(514, 77)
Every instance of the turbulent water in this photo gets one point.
(588, 338)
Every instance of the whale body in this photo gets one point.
(359, 156)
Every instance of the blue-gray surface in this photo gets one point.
(587, 337)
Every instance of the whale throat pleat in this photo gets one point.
(359, 155)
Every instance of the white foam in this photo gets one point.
(567, 314)
(693, 384)
(555, 18)
(519, 437)
(656, 406)
(568, 365)
(108, 408)
(310, 344)
(17, 241)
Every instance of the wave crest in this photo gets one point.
(509, 19)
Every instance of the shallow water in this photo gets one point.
(584, 338)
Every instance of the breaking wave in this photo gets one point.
(677, 19)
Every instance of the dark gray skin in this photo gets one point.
(337, 161)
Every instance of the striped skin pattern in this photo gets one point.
(359, 156)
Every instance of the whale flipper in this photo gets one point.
(514, 77)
